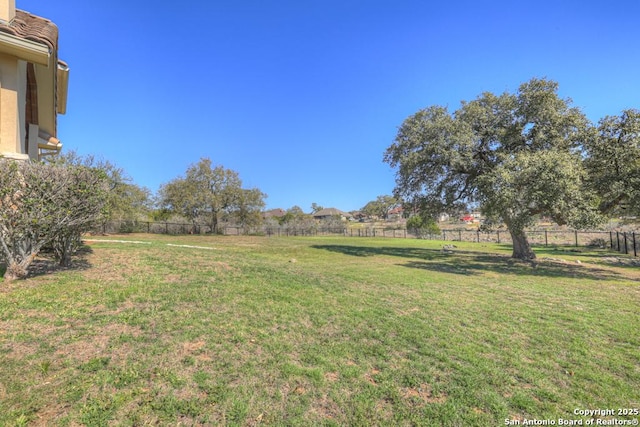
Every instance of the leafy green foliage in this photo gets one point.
(248, 212)
(517, 155)
(380, 207)
(316, 208)
(295, 218)
(206, 194)
(422, 225)
(125, 200)
(614, 163)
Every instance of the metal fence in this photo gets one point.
(627, 242)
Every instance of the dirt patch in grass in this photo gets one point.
(370, 376)
(98, 344)
(50, 413)
(423, 394)
(114, 265)
(384, 409)
(192, 347)
(331, 377)
(20, 351)
(324, 408)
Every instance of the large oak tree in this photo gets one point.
(518, 155)
(208, 193)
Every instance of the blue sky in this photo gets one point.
(302, 97)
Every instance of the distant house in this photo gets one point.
(33, 84)
(358, 216)
(274, 213)
(330, 213)
(395, 213)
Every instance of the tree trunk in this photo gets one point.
(64, 256)
(521, 247)
(14, 271)
(18, 269)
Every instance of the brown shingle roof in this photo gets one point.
(34, 28)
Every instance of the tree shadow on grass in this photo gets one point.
(44, 264)
(475, 263)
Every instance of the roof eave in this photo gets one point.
(24, 49)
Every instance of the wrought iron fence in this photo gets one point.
(627, 242)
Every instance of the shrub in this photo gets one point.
(422, 226)
(44, 204)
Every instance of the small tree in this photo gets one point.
(380, 207)
(296, 220)
(422, 226)
(248, 212)
(316, 208)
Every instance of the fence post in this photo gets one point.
(576, 234)
(498, 232)
(460, 235)
(618, 241)
(546, 240)
(478, 234)
(635, 251)
(626, 249)
(611, 238)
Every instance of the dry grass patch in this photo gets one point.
(422, 394)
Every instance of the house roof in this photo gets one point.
(274, 213)
(32, 27)
(396, 210)
(329, 212)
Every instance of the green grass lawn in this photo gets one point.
(318, 331)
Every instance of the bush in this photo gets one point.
(46, 204)
(422, 226)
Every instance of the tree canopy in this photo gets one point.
(518, 155)
(380, 207)
(613, 162)
(207, 193)
(125, 199)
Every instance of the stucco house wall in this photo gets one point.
(33, 84)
